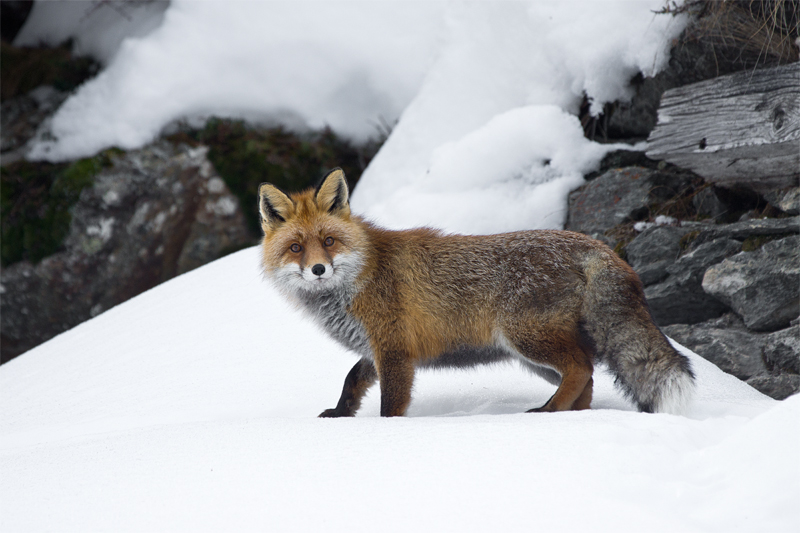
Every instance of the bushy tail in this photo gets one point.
(653, 374)
(647, 368)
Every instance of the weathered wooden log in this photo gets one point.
(737, 130)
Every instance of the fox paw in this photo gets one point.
(332, 413)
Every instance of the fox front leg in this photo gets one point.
(360, 378)
(396, 376)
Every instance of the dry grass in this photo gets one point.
(760, 31)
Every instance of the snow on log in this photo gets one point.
(740, 129)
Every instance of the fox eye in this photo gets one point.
(296, 248)
(328, 241)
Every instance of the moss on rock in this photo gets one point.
(246, 156)
(35, 200)
(24, 69)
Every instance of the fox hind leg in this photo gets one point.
(574, 393)
(584, 401)
(566, 356)
(360, 378)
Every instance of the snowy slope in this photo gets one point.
(192, 407)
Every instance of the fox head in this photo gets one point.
(311, 243)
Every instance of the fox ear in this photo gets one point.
(332, 194)
(273, 204)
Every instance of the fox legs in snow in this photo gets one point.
(569, 358)
(360, 378)
(396, 376)
(584, 401)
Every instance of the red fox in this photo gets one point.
(558, 301)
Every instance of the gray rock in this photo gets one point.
(158, 212)
(733, 349)
(617, 196)
(652, 273)
(762, 286)
(762, 227)
(680, 299)
(768, 361)
(787, 200)
(779, 386)
(708, 203)
(654, 245)
(782, 349)
(690, 266)
(621, 159)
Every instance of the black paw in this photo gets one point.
(542, 409)
(332, 413)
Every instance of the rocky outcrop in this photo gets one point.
(718, 300)
(680, 297)
(767, 361)
(782, 349)
(654, 250)
(716, 283)
(779, 386)
(716, 288)
(762, 286)
(752, 229)
(725, 342)
(619, 196)
(153, 214)
(787, 200)
(731, 293)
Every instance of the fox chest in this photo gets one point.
(330, 310)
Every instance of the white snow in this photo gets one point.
(501, 99)
(308, 64)
(192, 408)
(660, 220)
(96, 28)
(513, 173)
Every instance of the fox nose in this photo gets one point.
(318, 269)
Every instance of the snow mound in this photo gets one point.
(347, 65)
(512, 173)
(501, 98)
(96, 29)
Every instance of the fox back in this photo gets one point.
(556, 300)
